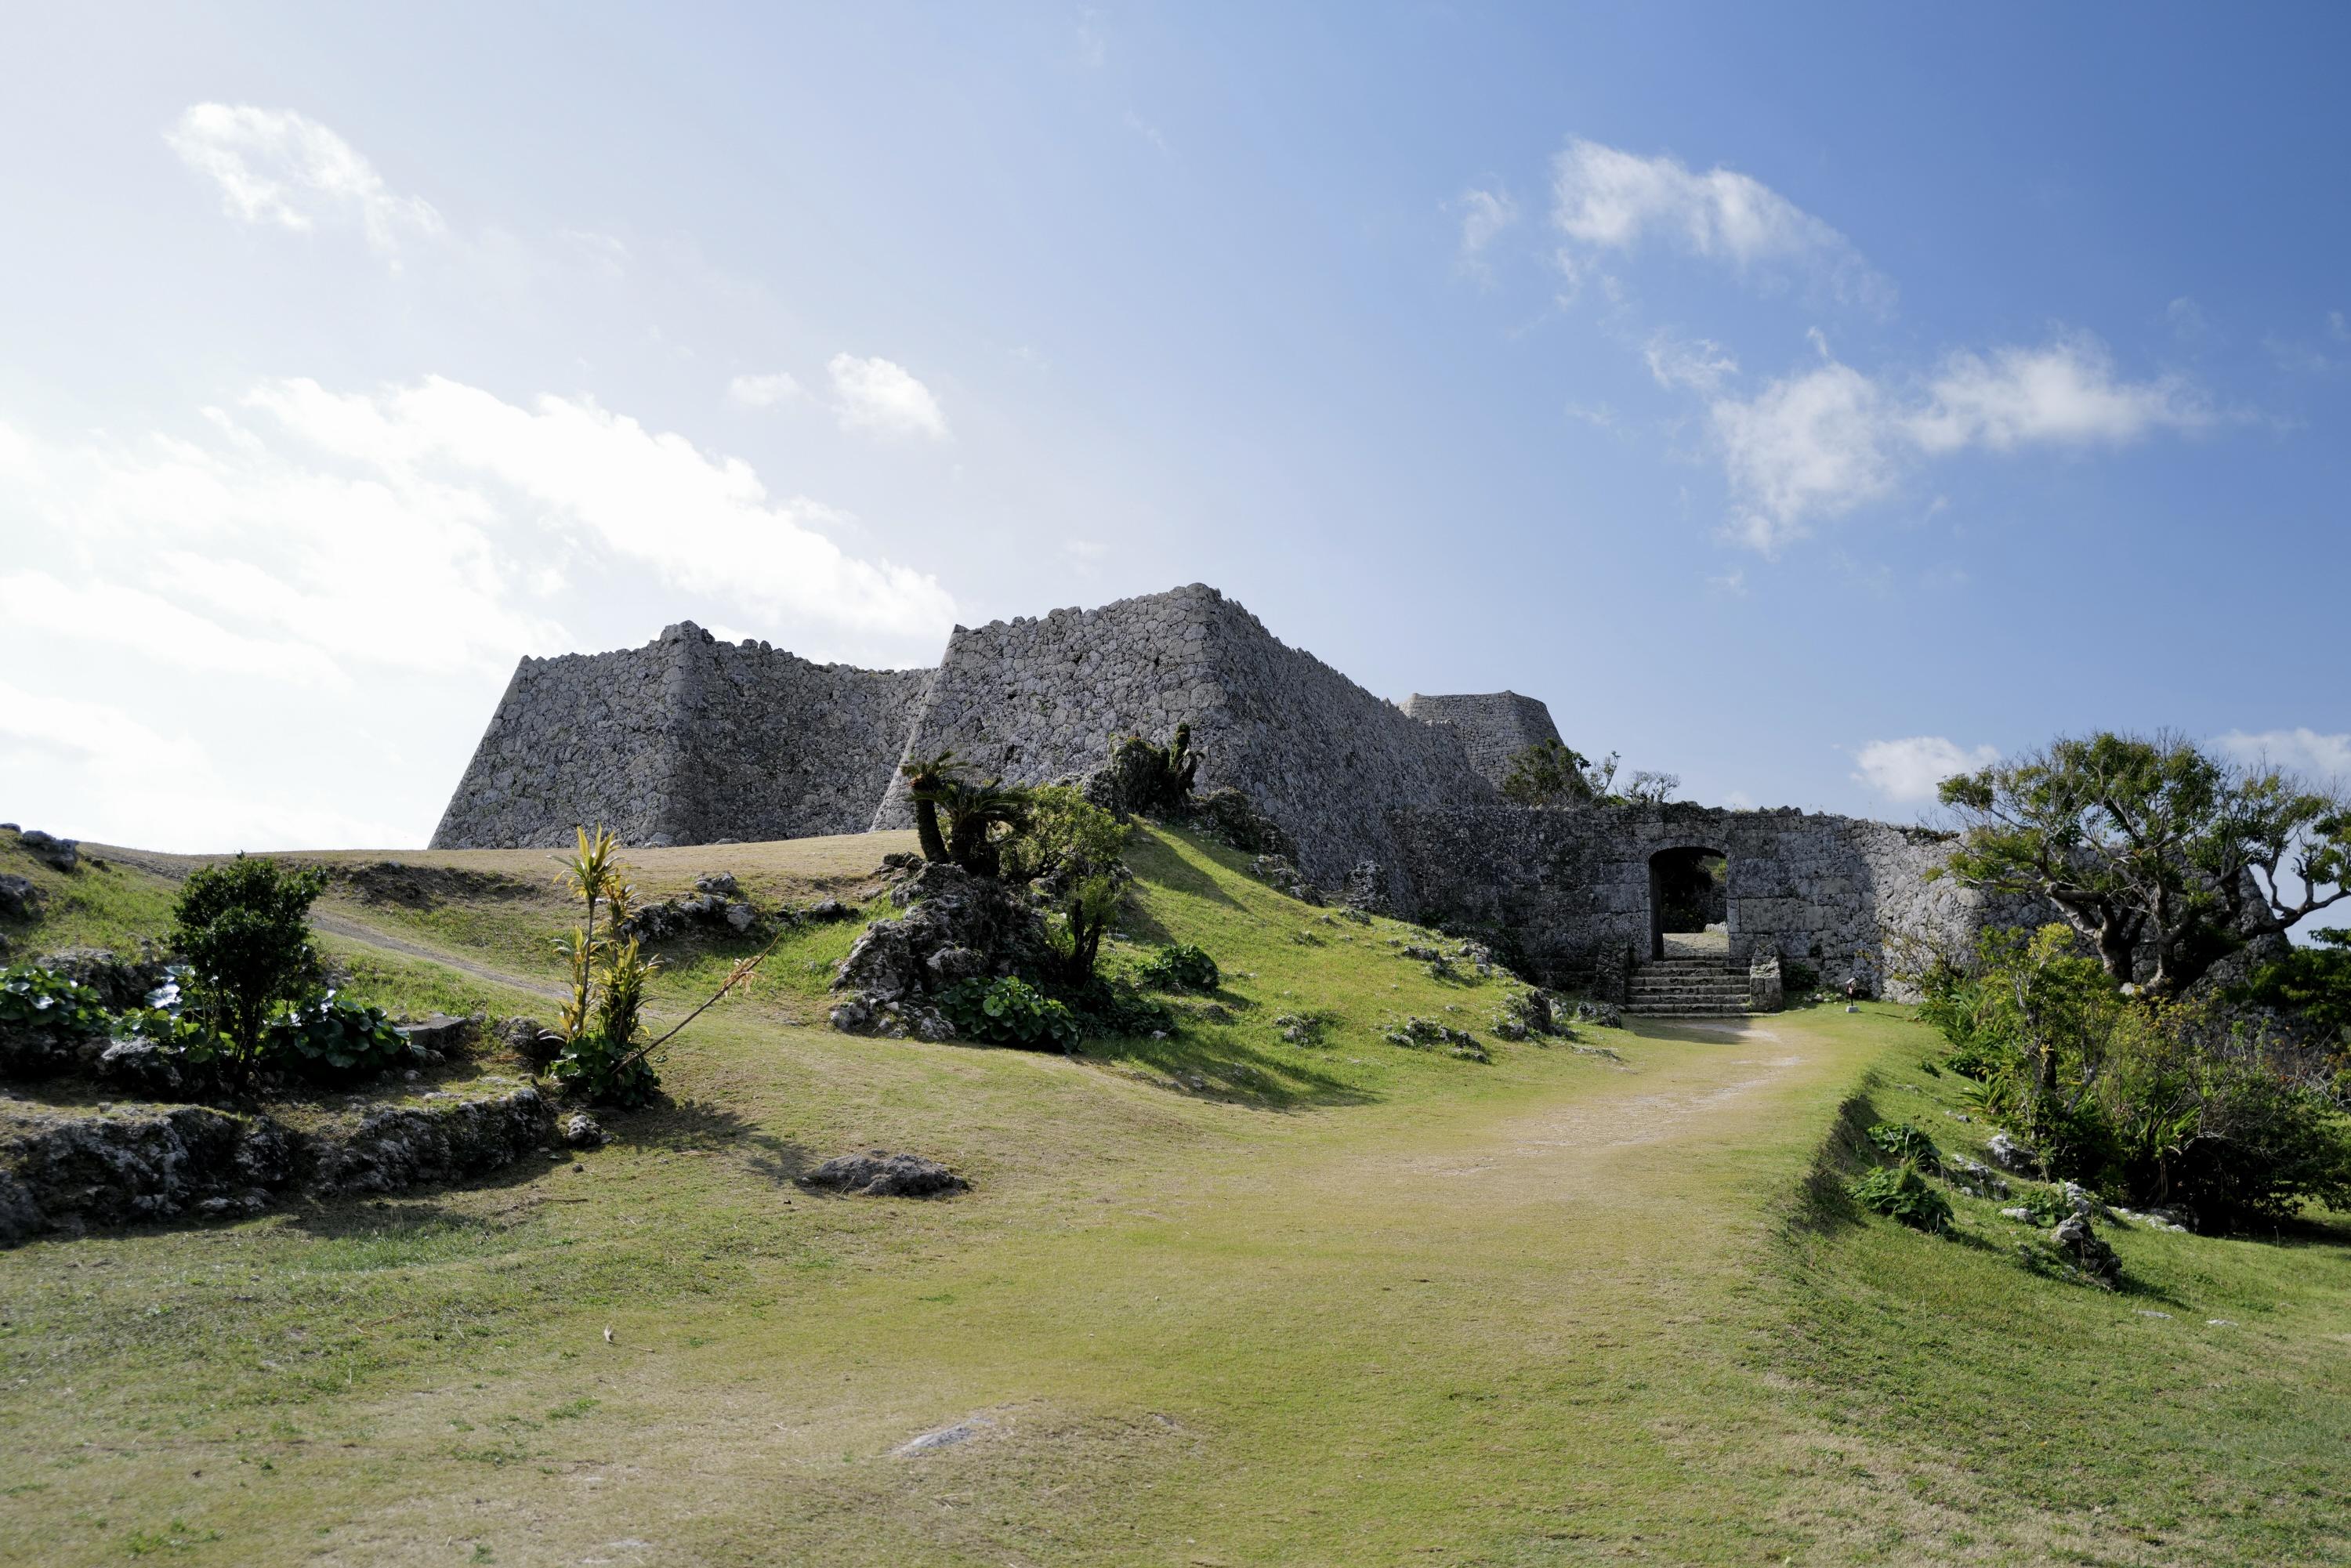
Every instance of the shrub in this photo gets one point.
(34, 997)
(1071, 848)
(1180, 968)
(1009, 1012)
(2313, 983)
(1904, 1142)
(1899, 1192)
(243, 926)
(608, 1072)
(1153, 778)
(331, 1040)
(2160, 1101)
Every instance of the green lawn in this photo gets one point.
(1215, 1299)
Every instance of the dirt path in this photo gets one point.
(175, 868)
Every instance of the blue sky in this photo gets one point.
(1804, 400)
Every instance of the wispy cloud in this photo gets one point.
(275, 166)
(882, 397)
(762, 391)
(1149, 132)
(1607, 199)
(2322, 757)
(1700, 364)
(1911, 769)
(1825, 439)
(1485, 215)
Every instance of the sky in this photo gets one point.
(1808, 401)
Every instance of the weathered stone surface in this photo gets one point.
(20, 898)
(884, 1175)
(439, 1033)
(2082, 1246)
(120, 980)
(1494, 726)
(956, 926)
(1035, 699)
(683, 741)
(2012, 1156)
(66, 1171)
(581, 1131)
(1572, 885)
(60, 854)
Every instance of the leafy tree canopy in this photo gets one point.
(2152, 849)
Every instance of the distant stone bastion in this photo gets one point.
(691, 740)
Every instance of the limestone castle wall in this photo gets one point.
(1494, 726)
(1039, 698)
(1572, 885)
(685, 740)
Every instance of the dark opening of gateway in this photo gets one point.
(1689, 899)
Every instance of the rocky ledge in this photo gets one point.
(66, 1170)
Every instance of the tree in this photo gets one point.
(2151, 850)
(1647, 789)
(243, 928)
(1151, 778)
(1549, 773)
(925, 777)
(1073, 849)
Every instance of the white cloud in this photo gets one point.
(1604, 198)
(1700, 363)
(1910, 770)
(154, 627)
(2065, 392)
(2322, 757)
(762, 391)
(1821, 441)
(1149, 132)
(90, 770)
(1484, 215)
(1813, 445)
(275, 166)
(880, 396)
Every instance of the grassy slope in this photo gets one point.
(1347, 1300)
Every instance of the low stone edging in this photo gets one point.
(65, 1174)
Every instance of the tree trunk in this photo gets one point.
(927, 830)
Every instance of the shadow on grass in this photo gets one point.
(680, 1126)
(1155, 861)
(1214, 1063)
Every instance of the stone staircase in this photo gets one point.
(1687, 986)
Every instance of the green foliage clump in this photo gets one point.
(1901, 1193)
(329, 1040)
(1073, 851)
(961, 820)
(2163, 1101)
(1905, 1142)
(1153, 778)
(596, 1067)
(35, 998)
(1009, 1012)
(2164, 858)
(1182, 966)
(244, 927)
(2312, 983)
(1549, 773)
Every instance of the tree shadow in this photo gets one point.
(1215, 1065)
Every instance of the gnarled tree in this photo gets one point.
(2160, 855)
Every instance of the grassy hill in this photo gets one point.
(1216, 1298)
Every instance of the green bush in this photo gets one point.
(331, 1041)
(2166, 1102)
(1900, 1193)
(35, 998)
(245, 927)
(1180, 968)
(1904, 1142)
(1009, 1012)
(596, 1068)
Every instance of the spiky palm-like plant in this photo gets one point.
(925, 777)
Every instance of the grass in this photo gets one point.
(1212, 1299)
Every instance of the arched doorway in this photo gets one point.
(1690, 903)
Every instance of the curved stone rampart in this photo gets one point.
(1494, 726)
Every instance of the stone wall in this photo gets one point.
(1037, 698)
(1494, 726)
(1572, 886)
(684, 740)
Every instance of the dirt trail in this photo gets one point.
(175, 868)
